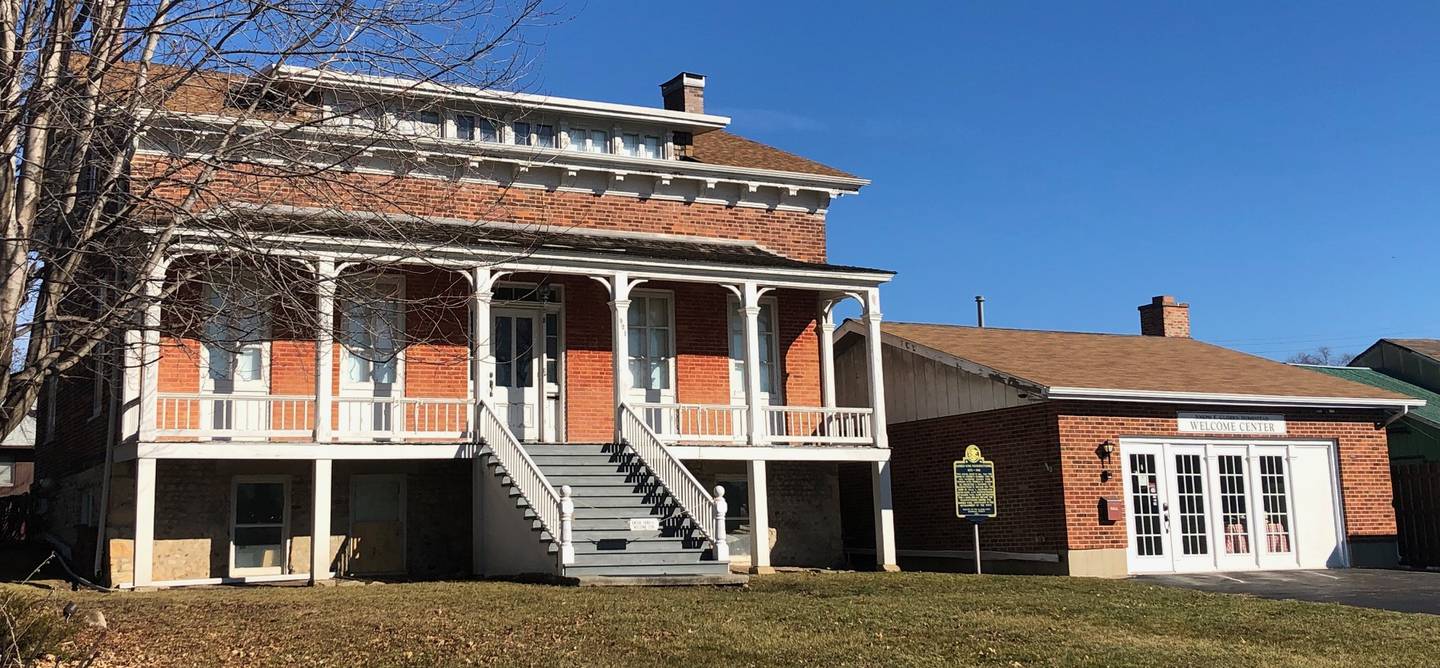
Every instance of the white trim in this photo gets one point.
(349, 388)
(666, 395)
(543, 261)
(779, 453)
(1160, 396)
(235, 482)
(292, 451)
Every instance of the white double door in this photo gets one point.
(1194, 507)
(524, 345)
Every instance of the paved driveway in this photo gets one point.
(1405, 591)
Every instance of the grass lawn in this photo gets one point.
(788, 619)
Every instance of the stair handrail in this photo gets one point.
(688, 493)
(550, 506)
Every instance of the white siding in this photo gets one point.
(917, 387)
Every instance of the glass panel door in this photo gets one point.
(1146, 512)
(1191, 544)
(257, 533)
(517, 373)
(1276, 543)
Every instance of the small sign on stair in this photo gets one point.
(644, 524)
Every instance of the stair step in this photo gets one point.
(620, 500)
(607, 469)
(593, 527)
(622, 558)
(594, 486)
(637, 545)
(583, 513)
(703, 568)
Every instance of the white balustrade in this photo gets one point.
(695, 423)
(233, 416)
(550, 508)
(687, 492)
(800, 425)
(403, 418)
(722, 548)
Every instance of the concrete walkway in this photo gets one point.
(1403, 591)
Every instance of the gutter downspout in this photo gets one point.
(1404, 410)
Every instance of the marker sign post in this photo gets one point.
(975, 492)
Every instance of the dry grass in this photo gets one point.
(792, 619)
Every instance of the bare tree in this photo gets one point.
(1322, 356)
(85, 84)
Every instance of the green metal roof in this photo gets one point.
(1430, 412)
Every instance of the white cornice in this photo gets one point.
(523, 156)
(347, 81)
(1223, 399)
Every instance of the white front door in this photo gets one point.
(518, 376)
(1229, 506)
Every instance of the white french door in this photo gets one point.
(372, 365)
(518, 373)
(1193, 506)
(236, 360)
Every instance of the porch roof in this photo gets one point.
(419, 234)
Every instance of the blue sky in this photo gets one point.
(1276, 165)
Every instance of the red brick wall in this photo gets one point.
(794, 234)
(1022, 441)
(1364, 463)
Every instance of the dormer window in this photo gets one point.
(637, 146)
(589, 141)
(422, 123)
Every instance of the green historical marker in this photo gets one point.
(974, 492)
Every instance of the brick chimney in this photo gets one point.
(1163, 316)
(686, 92)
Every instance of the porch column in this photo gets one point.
(150, 351)
(320, 523)
(884, 516)
(873, 346)
(143, 567)
(759, 518)
(130, 374)
(750, 308)
(827, 352)
(620, 355)
(325, 277)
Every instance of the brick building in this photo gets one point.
(558, 384)
(1122, 454)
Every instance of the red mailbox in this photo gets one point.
(1111, 510)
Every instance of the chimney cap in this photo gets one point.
(682, 80)
(1165, 300)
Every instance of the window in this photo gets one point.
(650, 342)
(527, 294)
(464, 127)
(767, 349)
(650, 148)
(7, 472)
(637, 146)
(236, 328)
(370, 332)
(257, 534)
(629, 144)
(422, 123)
(545, 136)
(552, 347)
(488, 132)
(589, 141)
(522, 133)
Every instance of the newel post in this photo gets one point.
(722, 548)
(567, 523)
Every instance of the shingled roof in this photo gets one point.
(1130, 363)
(1427, 347)
(719, 147)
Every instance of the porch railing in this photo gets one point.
(402, 418)
(795, 425)
(548, 505)
(234, 416)
(696, 423)
(677, 479)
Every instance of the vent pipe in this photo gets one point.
(979, 310)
